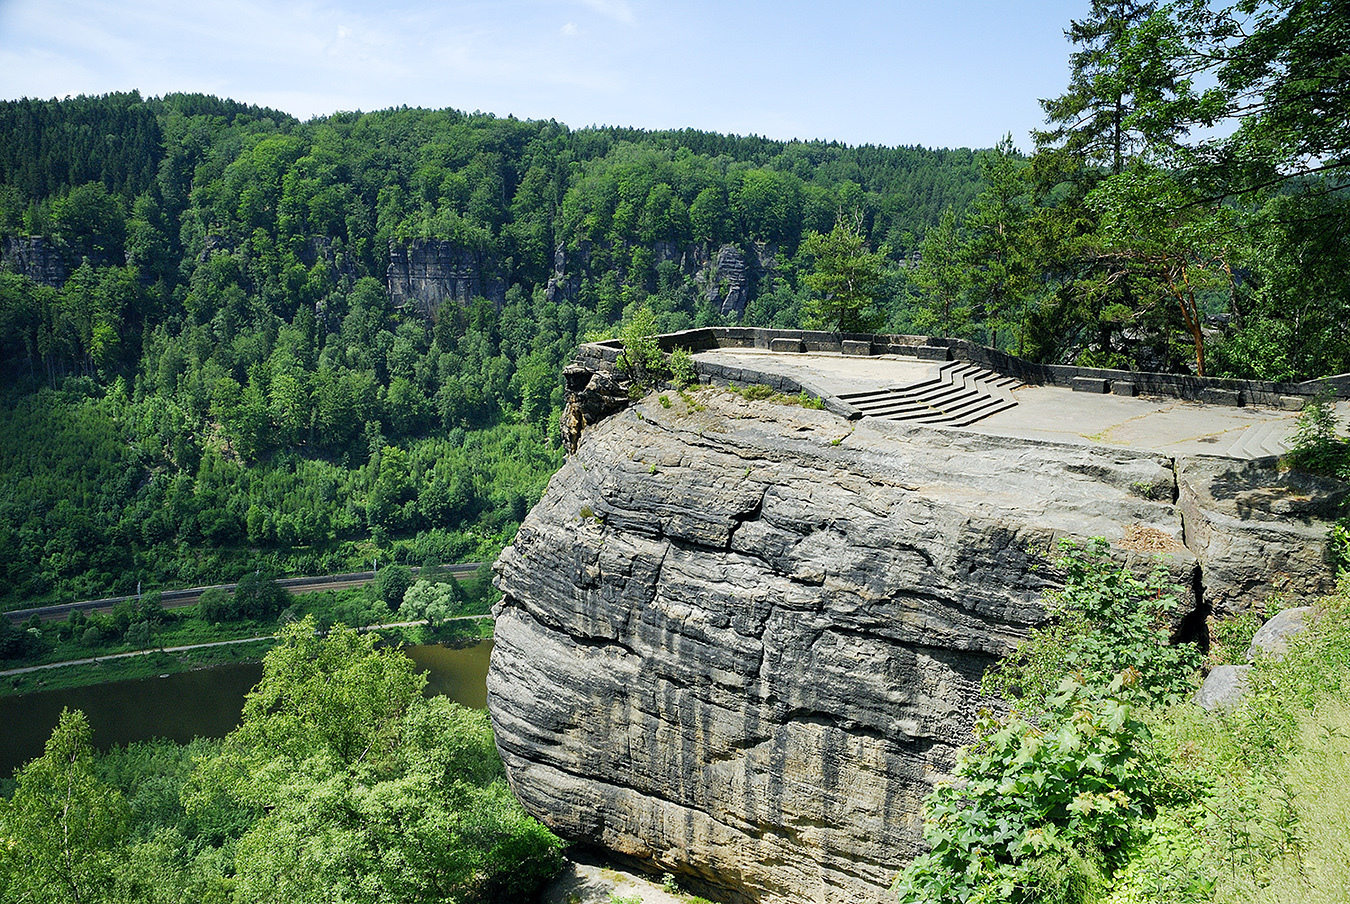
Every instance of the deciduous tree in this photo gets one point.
(61, 832)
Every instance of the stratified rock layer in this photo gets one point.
(741, 640)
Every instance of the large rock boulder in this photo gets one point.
(741, 641)
(1256, 529)
(1273, 637)
(1224, 687)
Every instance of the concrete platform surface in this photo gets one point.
(835, 373)
(1054, 413)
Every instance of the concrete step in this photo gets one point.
(965, 417)
(971, 403)
(1261, 440)
(960, 394)
(901, 410)
(973, 416)
(1279, 439)
(889, 392)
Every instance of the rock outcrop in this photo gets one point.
(35, 257)
(427, 273)
(742, 640)
(1256, 529)
(729, 282)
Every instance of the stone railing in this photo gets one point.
(602, 357)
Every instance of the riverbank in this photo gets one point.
(187, 657)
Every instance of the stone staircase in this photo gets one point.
(1262, 440)
(958, 395)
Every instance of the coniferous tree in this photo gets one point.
(846, 277)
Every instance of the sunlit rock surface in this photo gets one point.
(740, 640)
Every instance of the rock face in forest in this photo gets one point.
(741, 640)
(35, 257)
(427, 273)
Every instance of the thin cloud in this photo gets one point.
(618, 10)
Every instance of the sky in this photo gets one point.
(950, 73)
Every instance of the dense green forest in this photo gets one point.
(217, 357)
(1186, 206)
(221, 380)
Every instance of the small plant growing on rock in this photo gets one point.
(682, 368)
(1316, 446)
(806, 400)
(641, 359)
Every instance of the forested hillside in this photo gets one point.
(209, 366)
(235, 341)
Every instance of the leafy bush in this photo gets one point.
(216, 605)
(392, 583)
(434, 603)
(1038, 813)
(1315, 445)
(682, 368)
(138, 634)
(1048, 801)
(354, 773)
(260, 597)
(641, 359)
(1105, 622)
(16, 643)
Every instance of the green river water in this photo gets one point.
(203, 703)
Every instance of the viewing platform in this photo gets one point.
(954, 384)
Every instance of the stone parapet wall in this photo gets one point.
(604, 355)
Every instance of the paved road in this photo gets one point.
(177, 599)
(201, 646)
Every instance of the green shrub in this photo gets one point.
(1038, 813)
(216, 605)
(1049, 800)
(138, 634)
(260, 597)
(1105, 622)
(682, 368)
(1315, 445)
(806, 400)
(392, 583)
(641, 359)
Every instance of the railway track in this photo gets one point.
(178, 599)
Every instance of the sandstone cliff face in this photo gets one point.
(742, 642)
(428, 273)
(35, 257)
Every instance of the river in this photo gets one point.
(202, 703)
